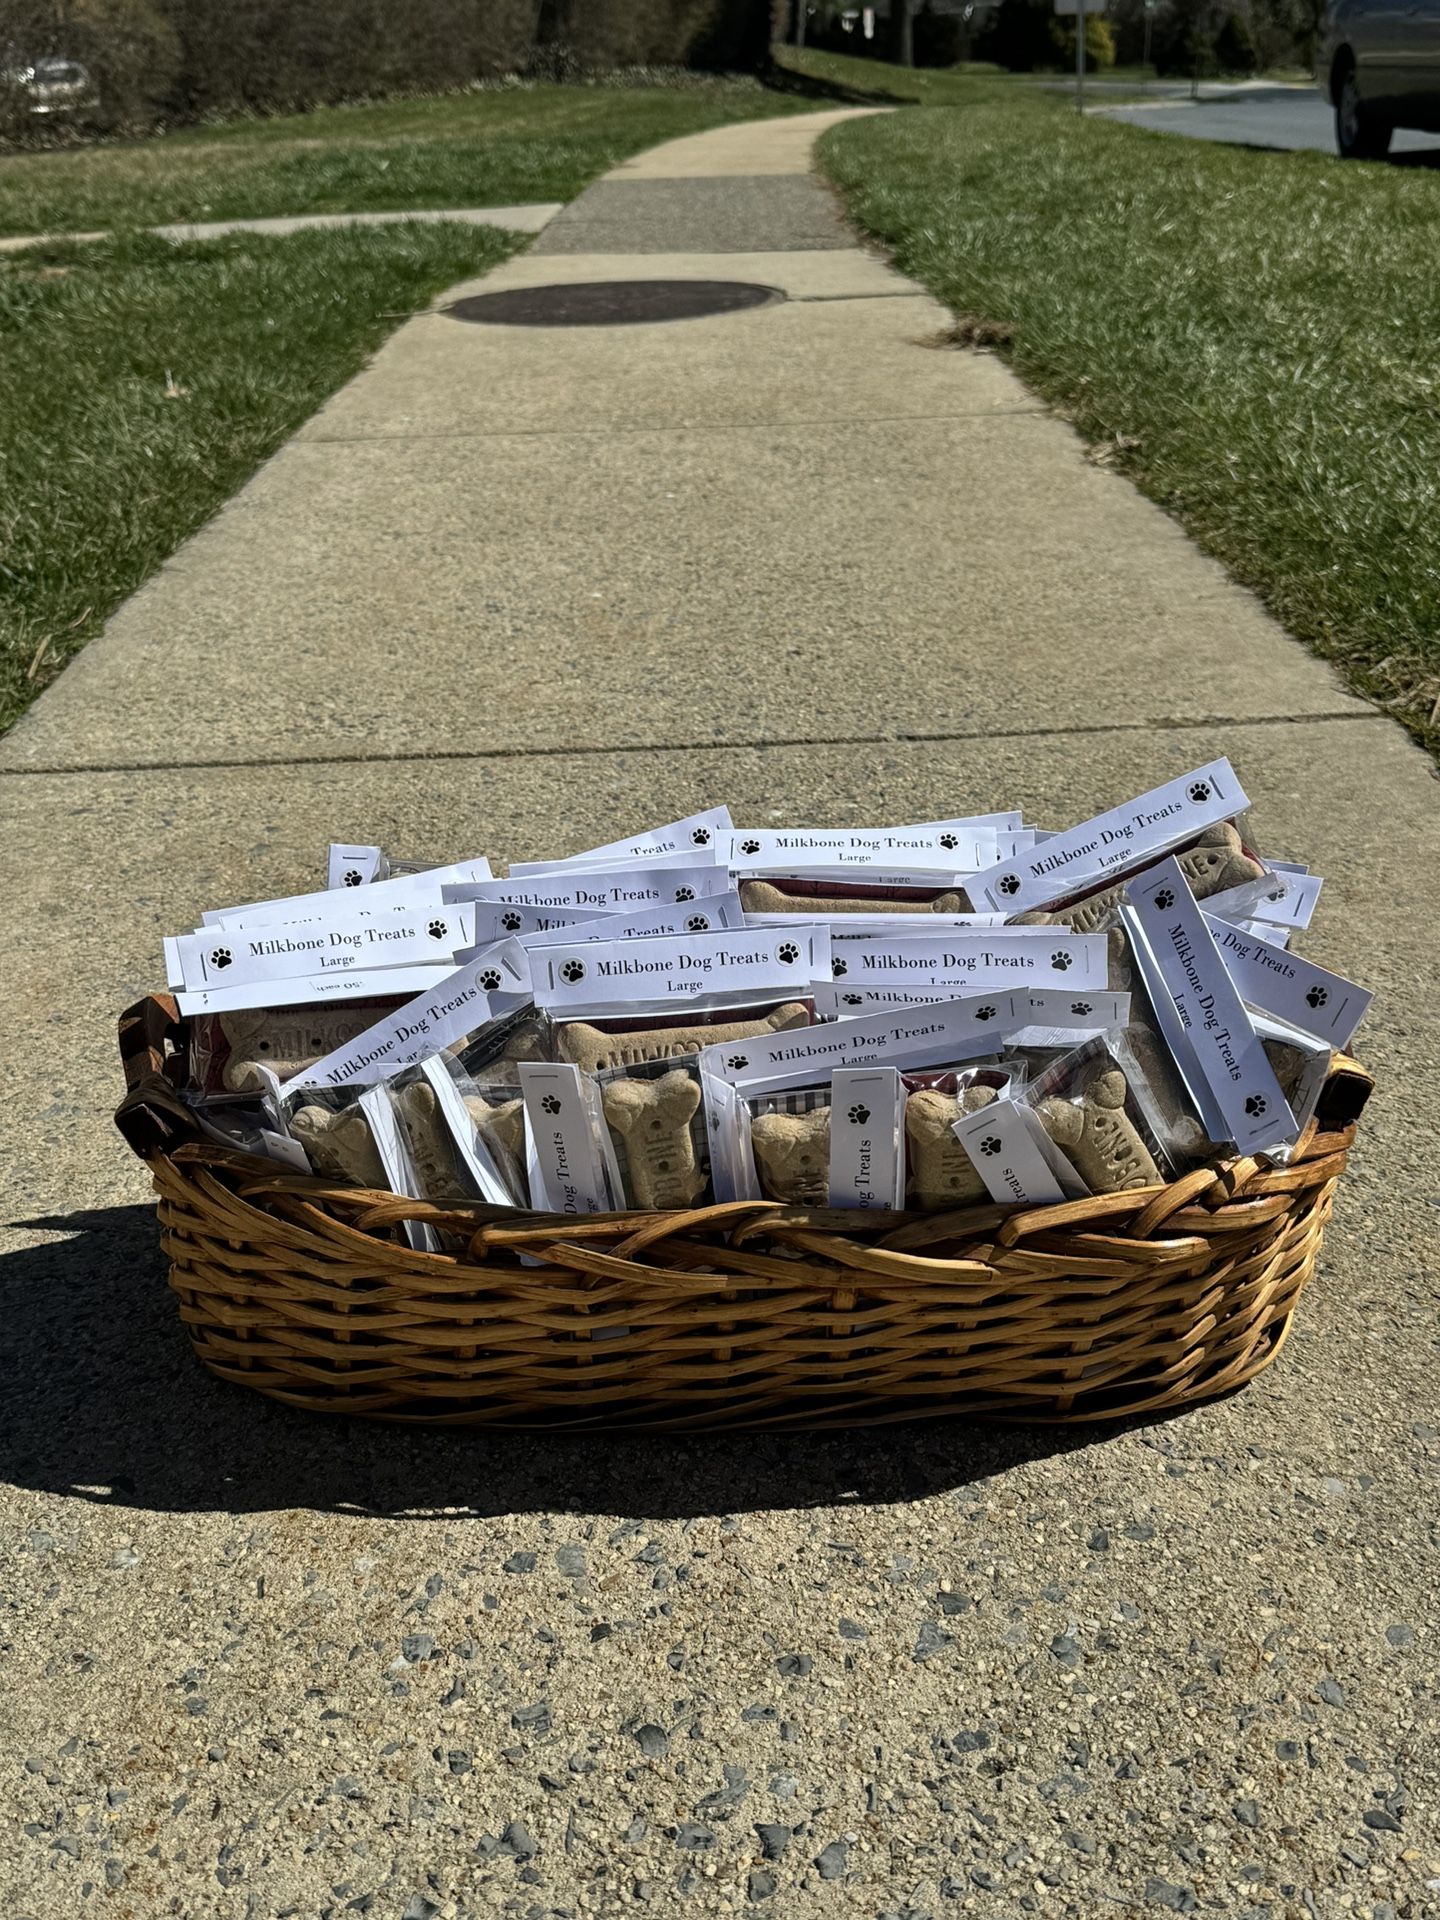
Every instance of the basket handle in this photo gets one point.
(152, 1117)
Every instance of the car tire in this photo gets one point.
(1359, 133)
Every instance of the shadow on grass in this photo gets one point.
(808, 86)
(111, 1406)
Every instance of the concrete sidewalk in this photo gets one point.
(517, 590)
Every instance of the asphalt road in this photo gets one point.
(1287, 118)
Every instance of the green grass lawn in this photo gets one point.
(1252, 337)
(491, 147)
(142, 382)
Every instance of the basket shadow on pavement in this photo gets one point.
(117, 1410)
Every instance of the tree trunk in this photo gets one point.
(902, 34)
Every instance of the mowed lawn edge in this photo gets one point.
(142, 382)
(1249, 337)
(488, 147)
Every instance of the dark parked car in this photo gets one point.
(1379, 67)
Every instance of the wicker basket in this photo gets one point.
(747, 1315)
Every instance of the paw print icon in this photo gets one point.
(737, 1062)
(1082, 1007)
(683, 894)
(352, 878)
(701, 836)
(985, 1013)
(1164, 900)
(1199, 791)
(1062, 962)
(220, 956)
(857, 1116)
(1009, 884)
(839, 967)
(1316, 997)
(788, 952)
(512, 922)
(489, 980)
(437, 929)
(697, 923)
(853, 999)
(550, 1104)
(1255, 1105)
(949, 840)
(990, 1144)
(749, 846)
(572, 971)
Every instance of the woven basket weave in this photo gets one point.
(746, 1315)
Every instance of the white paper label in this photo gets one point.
(750, 964)
(493, 984)
(344, 943)
(1005, 1153)
(353, 866)
(907, 1037)
(715, 913)
(867, 1163)
(966, 960)
(1292, 989)
(868, 926)
(1100, 850)
(701, 835)
(316, 990)
(402, 892)
(942, 850)
(628, 889)
(567, 1157)
(1163, 914)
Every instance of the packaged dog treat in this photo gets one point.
(1085, 1105)
(657, 1132)
(701, 835)
(1201, 1016)
(867, 1138)
(447, 1127)
(1104, 849)
(490, 987)
(584, 980)
(229, 1050)
(941, 1175)
(570, 1163)
(597, 1046)
(765, 900)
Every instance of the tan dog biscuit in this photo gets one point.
(792, 1156)
(1215, 863)
(1098, 1137)
(758, 896)
(431, 1150)
(941, 1173)
(501, 1127)
(285, 1040)
(341, 1145)
(593, 1051)
(652, 1118)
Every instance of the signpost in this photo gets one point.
(1065, 8)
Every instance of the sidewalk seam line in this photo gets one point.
(699, 426)
(574, 750)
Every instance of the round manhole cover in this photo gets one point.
(612, 303)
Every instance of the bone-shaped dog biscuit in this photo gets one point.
(501, 1127)
(941, 1172)
(652, 1118)
(284, 1040)
(1098, 1137)
(792, 1156)
(593, 1051)
(1216, 862)
(341, 1145)
(431, 1149)
(758, 896)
